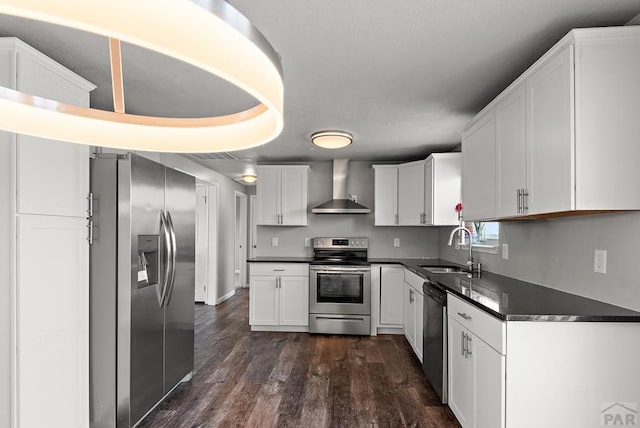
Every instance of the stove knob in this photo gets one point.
(352, 243)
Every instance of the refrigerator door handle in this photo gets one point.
(164, 230)
(174, 256)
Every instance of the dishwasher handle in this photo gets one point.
(435, 293)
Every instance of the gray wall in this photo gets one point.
(414, 241)
(558, 253)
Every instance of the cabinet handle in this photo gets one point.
(397, 219)
(519, 191)
(468, 345)
(278, 270)
(410, 296)
(525, 201)
(462, 344)
(465, 316)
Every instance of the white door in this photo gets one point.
(294, 300)
(511, 152)
(212, 247)
(487, 385)
(202, 240)
(294, 196)
(411, 194)
(410, 315)
(459, 374)
(386, 196)
(241, 226)
(268, 195)
(263, 300)
(479, 169)
(52, 321)
(391, 293)
(550, 136)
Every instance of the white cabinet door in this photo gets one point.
(294, 300)
(386, 195)
(410, 315)
(479, 169)
(418, 303)
(459, 374)
(391, 295)
(487, 385)
(52, 321)
(51, 175)
(428, 192)
(550, 136)
(268, 194)
(511, 153)
(294, 196)
(411, 194)
(263, 300)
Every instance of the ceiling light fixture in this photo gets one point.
(249, 178)
(331, 139)
(217, 38)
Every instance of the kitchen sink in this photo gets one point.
(444, 269)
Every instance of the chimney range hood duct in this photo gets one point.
(340, 204)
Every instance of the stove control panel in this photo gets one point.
(341, 243)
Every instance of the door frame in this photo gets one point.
(213, 194)
(240, 247)
(205, 236)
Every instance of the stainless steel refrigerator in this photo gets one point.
(142, 286)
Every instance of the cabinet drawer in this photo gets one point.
(483, 325)
(280, 269)
(413, 280)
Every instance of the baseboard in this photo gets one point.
(226, 297)
(390, 330)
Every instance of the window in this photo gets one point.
(485, 236)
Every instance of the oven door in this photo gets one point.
(340, 290)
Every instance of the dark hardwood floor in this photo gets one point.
(260, 379)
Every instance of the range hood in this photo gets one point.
(340, 204)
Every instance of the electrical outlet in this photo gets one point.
(307, 242)
(355, 198)
(274, 242)
(505, 251)
(600, 261)
(396, 242)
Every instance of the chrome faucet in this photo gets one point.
(470, 265)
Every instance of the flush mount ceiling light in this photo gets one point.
(249, 178)
(331, 139)
(208, 34)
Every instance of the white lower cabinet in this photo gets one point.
(279, 297)
(391, 296)
(552, 374)
(413, 302)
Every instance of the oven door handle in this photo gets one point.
(331, 269)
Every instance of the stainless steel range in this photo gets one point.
(340, 287)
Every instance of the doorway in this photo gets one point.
(253, 232)
(206, 257)
(240, 265)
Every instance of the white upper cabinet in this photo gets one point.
(479, 168)
(511, 153)
(282, 195)
(428, 191)
(550, 144)
(411, 194)
(386, 195)
(563, 133)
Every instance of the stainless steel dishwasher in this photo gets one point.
(434, 352)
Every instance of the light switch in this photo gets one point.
(307, 242)
(505, 251)
(396, 242)
(274, 242)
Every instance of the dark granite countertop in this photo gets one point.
(510, 299)
(503, 297)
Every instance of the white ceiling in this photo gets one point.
(402, 76)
